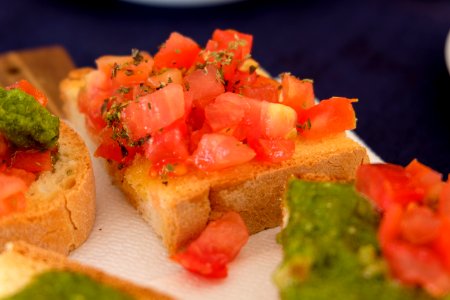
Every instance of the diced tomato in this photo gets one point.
(253, 125)
(277, 120)
(229, 109)
(418, 265)
(216, 246)
(249, 118)
(92, 98)
(177, 52)
(262, 88)
(254, 86)
(196, 136)
(390, 224)
(329, 117)
(30, 89)
(169, 146)
(11, 185)
(205, 85)
(227, 50)
(273, 150)
(115, 150)
(168, 76)
(226, 112)
(298, 94)
(92, 107)
(196, 118)
(420, 225)
(238, 43)
(188, 100)
(386, 184)
(240, 79)
(184, 83)
(109, 150)
(27, 177)
(4, 148)
(12, 197)
(442, 242)
(126, 70)
(426, 178)
(444, 200)
(413, 236)
(218, 151)
(34, 161)
(153, 112)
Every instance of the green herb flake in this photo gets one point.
(304, 126)
(115, 68)
(104, 106)
(137, 56)
(123, 90)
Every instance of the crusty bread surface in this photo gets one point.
(60, 204)
(180, 208)
(20, 262)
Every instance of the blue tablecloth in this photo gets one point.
(387, 53)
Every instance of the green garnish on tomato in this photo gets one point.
(25, 122)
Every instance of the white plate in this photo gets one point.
(182, 3)
(447, 51)
(122, 244)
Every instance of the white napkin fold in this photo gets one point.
(122, 244)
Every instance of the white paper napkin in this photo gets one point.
(122, 244)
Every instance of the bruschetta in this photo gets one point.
(189, 133)
(29, 272)
(47, 194)
(383, 237)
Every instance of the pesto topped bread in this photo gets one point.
(28, 272)
(47, 194)
(331, 249)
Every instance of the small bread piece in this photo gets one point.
(20, 262)
(180, 208)
(60, 204)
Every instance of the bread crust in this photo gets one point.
(60, 208)
(40, 260)
(180, 209)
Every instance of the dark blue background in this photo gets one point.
(389, 54)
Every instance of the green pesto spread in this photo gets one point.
(331, 249)
(25, 122)
(67, 285)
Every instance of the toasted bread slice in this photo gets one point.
(60, 204)
(21, 262)
(180, 208)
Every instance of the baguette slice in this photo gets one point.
(179, 210)
(60, 204)
(20, 262)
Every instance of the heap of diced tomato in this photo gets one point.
(209, 108)
(415, 224)
(19, 167)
